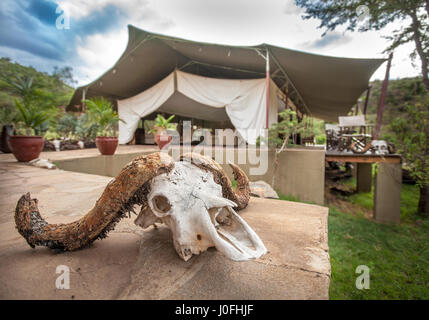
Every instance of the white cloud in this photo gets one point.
(238, 22)
(99, 52)
(137, 11)
(290, 8)
(93, 53)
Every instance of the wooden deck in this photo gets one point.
(362, 158)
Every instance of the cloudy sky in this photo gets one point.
(97, 33)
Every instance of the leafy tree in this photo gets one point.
(415, 13)
(280, 133)
(289, 126)
(65, 75)
(410, 134)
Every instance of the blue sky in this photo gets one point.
(98, 31)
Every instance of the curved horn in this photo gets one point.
(241, 195)
(130, 187)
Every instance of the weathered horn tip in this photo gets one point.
(24, 208)
(25, 199)
(238, 172)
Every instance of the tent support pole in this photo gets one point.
(83, 99)
(291, 83)
(267, 77)
(368, 92)
(286, 99)
(382, 99)
(187, 64)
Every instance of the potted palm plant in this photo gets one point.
(34, 112)
(101, 113)
(31, 117)
(162, 138)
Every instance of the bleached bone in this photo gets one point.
(193, 197)
(380, 146)
(190, 203)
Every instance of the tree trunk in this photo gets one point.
(419, 48)
(276, 160)
(424, 201)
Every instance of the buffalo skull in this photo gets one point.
(193, 197)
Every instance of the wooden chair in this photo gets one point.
(332, 136)
(354, 135)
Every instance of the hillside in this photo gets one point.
(52, 86)
(399, 93)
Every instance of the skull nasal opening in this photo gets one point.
(161, 204)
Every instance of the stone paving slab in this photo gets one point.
(136, 264)
(83, 153)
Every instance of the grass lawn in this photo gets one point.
(409, 200)
(397, 256)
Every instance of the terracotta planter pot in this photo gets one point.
(26, 148)
(107, 145)
(162, 139)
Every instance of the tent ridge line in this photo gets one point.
(147, 38)
(189, 63)
(229, 68)
(87, 87)
(113, 96)
(170, 38)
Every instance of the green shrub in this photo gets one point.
(321, 139)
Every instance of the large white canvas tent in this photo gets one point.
(243, 102)
(211, 81)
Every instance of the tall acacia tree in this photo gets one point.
(410, 134)
(414, 14)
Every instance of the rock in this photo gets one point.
(262, 189)
(69, 145)
(48, 146)
(89, 144)
(42, 163)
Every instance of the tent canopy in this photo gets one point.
(321, 86)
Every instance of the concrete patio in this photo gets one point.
(136, 264)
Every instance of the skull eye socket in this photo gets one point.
(161, 204)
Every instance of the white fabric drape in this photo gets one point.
(244, 102)
(132, 109)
